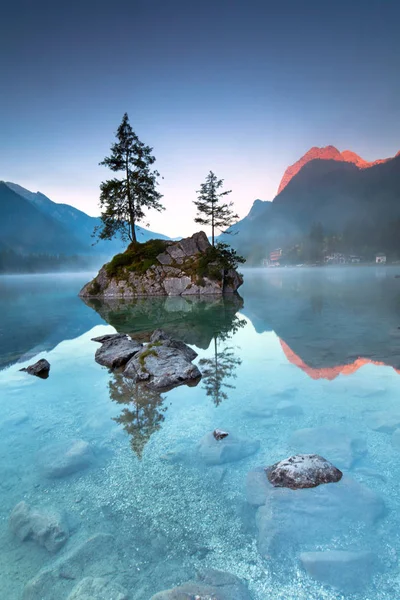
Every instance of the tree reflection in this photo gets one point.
(219, 370)
(144, 413)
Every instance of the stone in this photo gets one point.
(257, 487)
(228, 449)
(64, 458)
(384, 421)
(162, 367)
(47, 528)
(396, 438)
(288, 409)
(209, 585)
(41, 369)
(117, 351)
(107, 337)
(311, 516)
(97, 588)
(165, 258)
(348, 571)
(219, 434)
(302, 471)
(160, 336)
(95, 557)
(342, 449)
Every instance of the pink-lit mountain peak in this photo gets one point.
(326, 153)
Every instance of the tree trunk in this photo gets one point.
(130, 202)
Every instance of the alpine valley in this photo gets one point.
(37, 234)
(328, 201)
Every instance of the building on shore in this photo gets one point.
(273, 259)
(380, 259)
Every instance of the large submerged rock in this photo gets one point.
(47, 528)
(307, 517)
(210, 585)
(165, 268)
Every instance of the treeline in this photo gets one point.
(357, 239)
(11, 262)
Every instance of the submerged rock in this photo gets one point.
(384, 420)
(116, 350)
(348, 571)
(343, 449)
(95, 557)
(187, 267)
(64, 458)
(210, 585)
(229, 448)
(162, 367)
(41, 369)
(303, 471)
(46, 527)
(287, 518)
(97, 588)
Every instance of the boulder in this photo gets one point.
(94, 557)
(97, 588)
(348, 571)
(210, 585)
(116, 351)
(162, 367)
(302, 471)
(213, 451)
(159, 336)
(286, 408)
(343, 449)
(64, 458)
(219, 434)
(187, 267)
(41, 369)
(384, 421)
(47, 528)
(310, 516)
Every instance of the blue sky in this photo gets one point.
(242, 88)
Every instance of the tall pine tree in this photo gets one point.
(210, 210)
(123, 201)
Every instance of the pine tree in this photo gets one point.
(210, 211)
(123, 201)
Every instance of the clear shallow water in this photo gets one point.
(309, 349)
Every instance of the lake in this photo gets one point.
(306, 361)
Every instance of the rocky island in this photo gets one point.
(191, 266)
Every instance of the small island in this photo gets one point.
(191, 266)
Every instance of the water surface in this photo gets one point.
(314, 349)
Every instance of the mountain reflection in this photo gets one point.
(330, 321)
(144, 411)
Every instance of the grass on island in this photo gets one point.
(136, 258)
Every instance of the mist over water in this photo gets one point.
(308, 362)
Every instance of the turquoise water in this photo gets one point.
(315, 350)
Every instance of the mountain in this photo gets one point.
(78, 223)
(24, 229)
(359, 206)
(326, 153)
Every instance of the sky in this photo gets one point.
(243, 88)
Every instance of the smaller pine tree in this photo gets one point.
(210, 211)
